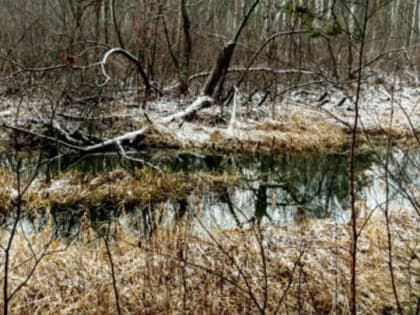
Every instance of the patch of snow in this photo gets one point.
(58, 185)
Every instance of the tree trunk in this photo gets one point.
(224, 57)
(186, 48)
(107, 21)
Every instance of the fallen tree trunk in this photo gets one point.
(200, 103)
(129, 138)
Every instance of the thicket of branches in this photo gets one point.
(174, 40)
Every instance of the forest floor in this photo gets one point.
(303, 119)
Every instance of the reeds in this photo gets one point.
(118, 188)
(260, 268)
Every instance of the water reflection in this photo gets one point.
(290, 188)
(280, 190)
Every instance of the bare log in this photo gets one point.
(200, 103)
(129, 138)
(124, 139)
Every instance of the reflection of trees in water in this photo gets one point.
(304, 185)
(404, 171)
(289, 185)
(67, 220)
(225, 198)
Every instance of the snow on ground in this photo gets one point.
(376, 104)
(300, 112)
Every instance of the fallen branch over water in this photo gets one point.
(128, 138)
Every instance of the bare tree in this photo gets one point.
(352, 175)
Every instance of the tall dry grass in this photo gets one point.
(299, 269)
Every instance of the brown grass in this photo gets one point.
(294, 135)
(180, 271)
(117, 188)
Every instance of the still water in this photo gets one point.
(281, 189)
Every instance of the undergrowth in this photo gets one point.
(256, 269)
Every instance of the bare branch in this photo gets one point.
(129, 56)
(254, 69)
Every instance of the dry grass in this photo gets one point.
(300, 133)
(294, 129)
(296, 134)
(180, 271)
(6, 182)
(118, 188)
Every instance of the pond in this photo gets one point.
(280, 189)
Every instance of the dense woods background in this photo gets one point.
(174, 40)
